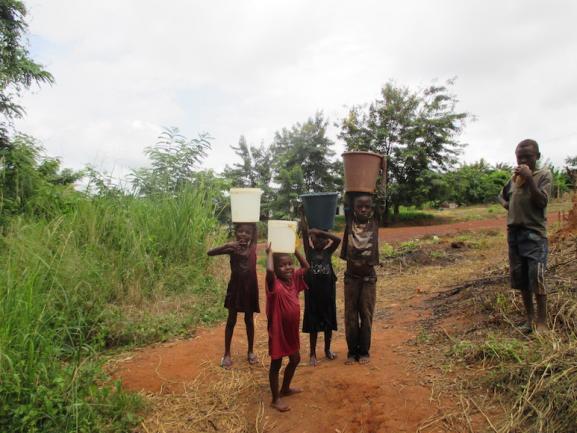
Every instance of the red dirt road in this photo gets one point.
(388, 395)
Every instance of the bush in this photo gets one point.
(58, 280)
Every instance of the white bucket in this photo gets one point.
(245, 205)
(282, 236)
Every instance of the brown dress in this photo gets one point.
(242, 291)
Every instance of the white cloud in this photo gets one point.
(126, 68)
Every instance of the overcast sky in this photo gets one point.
(126, 68)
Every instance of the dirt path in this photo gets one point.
(391, 394)
(399, 234)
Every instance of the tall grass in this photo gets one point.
(58, 282)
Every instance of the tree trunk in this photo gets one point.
(397, 212)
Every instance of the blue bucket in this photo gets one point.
(320, 209)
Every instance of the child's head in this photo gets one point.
(363, 207)
(283, 266)
(245, 233)
(527, 153)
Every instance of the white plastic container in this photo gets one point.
(282, 236)
(245, 205)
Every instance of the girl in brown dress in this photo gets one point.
(242, 291)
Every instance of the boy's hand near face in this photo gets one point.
(524, 171)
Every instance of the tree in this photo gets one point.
(31, 183)
(174, 163)
(416, 131)
(302, 162)
(18, 71)
(571, 170)
(254, 170)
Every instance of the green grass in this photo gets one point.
(65, 287)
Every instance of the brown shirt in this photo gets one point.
(523, 212)
(361, 242)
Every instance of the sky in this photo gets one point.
(124, 69)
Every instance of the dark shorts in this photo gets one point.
(527, 259)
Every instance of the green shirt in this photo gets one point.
(522, 211)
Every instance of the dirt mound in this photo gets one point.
(569, 227)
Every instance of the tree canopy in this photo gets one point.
(17, 69)
(416, 131)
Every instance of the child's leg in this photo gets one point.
(273, 373)
(537, 275)
(352, 290)
(289, 372)
(313, 348)
(249, 323)
(328, 337)
(518, 272)
(228, 331)
(366, 310)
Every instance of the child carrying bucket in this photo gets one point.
(242, 290)
(320, 313)
(360, 249)
(283, 285)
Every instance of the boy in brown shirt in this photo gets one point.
(525, 197)
(360, 248)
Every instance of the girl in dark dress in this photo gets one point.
(242, 291)
(320, 300)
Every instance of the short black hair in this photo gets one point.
(529, 142)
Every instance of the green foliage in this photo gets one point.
(60, 286)
(302, 162)
(491, 350)
(416, 131)
(254, 171)
(32, 184)
(17, 70)
(298, 161)
(174, 163)
(474, 183)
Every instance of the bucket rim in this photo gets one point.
(282, 222)
(245, 190)
(362, 152)
(317, 194)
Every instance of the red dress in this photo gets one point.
(242, 291)
(283, 312)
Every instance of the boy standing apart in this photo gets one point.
(525, 197)
(360, 248)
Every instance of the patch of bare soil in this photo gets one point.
(397, 392)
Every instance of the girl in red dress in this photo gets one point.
(283, 285)
(242, 291)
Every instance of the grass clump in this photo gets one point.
(65, 287)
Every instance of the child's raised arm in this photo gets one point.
(538, 195)
(228, 248)
(335, 240)
(302, 261)
(269, 267)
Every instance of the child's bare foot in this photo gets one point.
(290, 391)
(280, 405)
(364, 360)
(350, 360)
(313, 362)
(226, 362)
(252, 358)
(330, 355)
